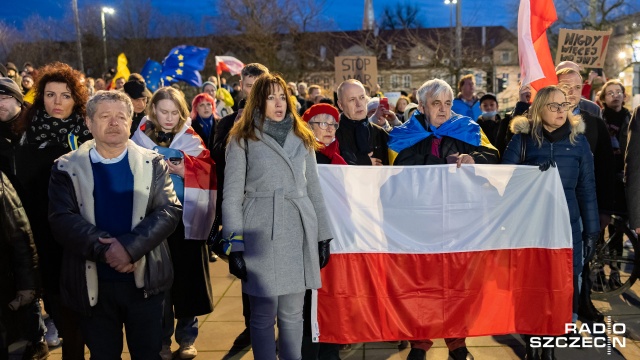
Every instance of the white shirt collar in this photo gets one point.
(97, 158)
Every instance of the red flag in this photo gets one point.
(536, 64)
(228, 64)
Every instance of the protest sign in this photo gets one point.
(362, 68)
(587, 48)
(393, 97)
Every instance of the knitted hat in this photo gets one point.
(319, 109)
(12, 66)
(9, 87)
(373, 104)
(136, 89)
(209, 83)
(408, 110)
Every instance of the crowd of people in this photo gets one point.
(110, 197)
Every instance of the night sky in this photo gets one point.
(345, 15)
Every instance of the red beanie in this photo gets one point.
(322, 108)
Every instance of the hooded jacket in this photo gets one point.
(574, 163)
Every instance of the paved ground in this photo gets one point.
(219, 329)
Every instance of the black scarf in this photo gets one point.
(361, 130)
(559, 133)
(278, 130)
(615, 119)
(46, 129)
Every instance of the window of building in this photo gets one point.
(406, 81)
(381, 81)
(506, 57)
(479, 79)
(395, 81)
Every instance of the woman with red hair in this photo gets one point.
(203, 108)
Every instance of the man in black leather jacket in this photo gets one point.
(112, 206)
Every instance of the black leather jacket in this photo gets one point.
(79, 236)
(18, 258)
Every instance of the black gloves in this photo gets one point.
(324, 252)
(237, 266)
(546, 165)
(589, 242)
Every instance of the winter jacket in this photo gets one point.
(632, 170)
(18, 259)
(346, 136)
(575, 165)
(272, 197)
(156, 213)
(461, 108)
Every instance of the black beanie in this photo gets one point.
(9, 87)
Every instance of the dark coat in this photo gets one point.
(575, 165)
(156, 212)
(632, 170)
(18, 259)
(206, 138)
(346, 136)
(420, 153)
(600, 144)
(218, 150)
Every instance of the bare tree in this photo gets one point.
(591, 14)
(9, 37)
(402, 16)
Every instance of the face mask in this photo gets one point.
(489, 114)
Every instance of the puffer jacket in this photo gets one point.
(575, 165)
(156, 213)
(18, 259)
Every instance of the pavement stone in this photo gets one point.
(219, 329)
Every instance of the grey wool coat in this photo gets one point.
(272, 197)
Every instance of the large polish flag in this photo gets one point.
(536, 64)
(438, 252)
(228, 64)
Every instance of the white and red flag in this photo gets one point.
(228, 64)
(200, 184)
(425, 252)
(536, 64)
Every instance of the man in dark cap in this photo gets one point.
(139, 95)
(14, 74)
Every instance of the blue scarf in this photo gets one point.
(459, 127)
(206, 124)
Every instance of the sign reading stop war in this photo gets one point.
(587, 48)
(362, 68)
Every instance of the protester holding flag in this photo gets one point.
(167, 129)
(551, 125)
(275, 222)
(434, 135)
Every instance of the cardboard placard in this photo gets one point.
(393, 97)
(587, 48)
(362, 68)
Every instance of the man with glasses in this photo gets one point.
(570, 81)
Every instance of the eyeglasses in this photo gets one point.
(324, 125)
(555, 107)
(612, 94)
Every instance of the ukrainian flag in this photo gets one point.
(459, 127)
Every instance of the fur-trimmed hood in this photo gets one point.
(522, 125)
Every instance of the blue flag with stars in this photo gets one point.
(183, 63)
(152, 72)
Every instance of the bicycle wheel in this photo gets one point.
(614, 267)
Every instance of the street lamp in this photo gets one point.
(458, 53)
(109, 11)
(451, 2)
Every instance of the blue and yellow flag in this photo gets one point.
(183, 63)
(459, 127)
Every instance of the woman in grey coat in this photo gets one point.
(273, 214)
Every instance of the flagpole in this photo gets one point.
(217, 73)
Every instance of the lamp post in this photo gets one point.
(450, 2)
(109, 11)
(458, 47)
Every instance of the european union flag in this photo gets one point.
(183, 63)
(152, 72)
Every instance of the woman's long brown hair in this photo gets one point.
(257, 105)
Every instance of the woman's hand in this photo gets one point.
(176, 169)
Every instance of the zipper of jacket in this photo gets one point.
(13, 160)
(551, 155)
